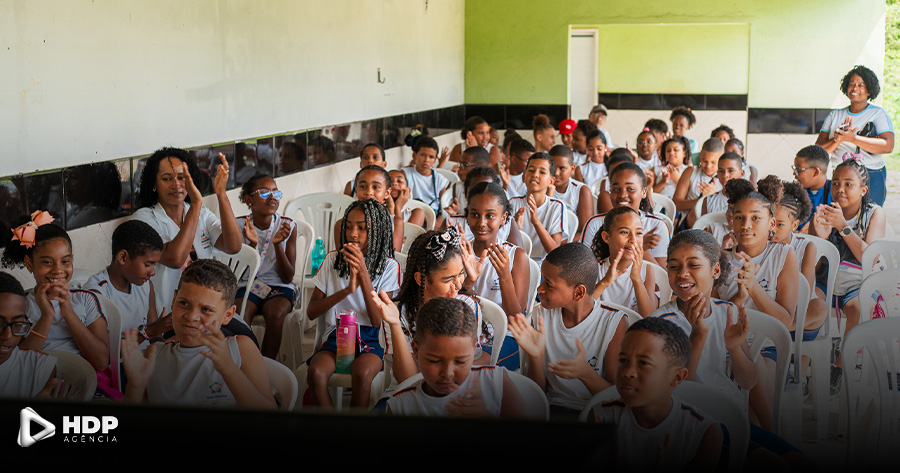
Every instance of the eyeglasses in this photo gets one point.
(463, 165)
(266, 194)
(19, 329)
(799, 170)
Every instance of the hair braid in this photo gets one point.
(380, 244)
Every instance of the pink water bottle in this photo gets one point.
(346, 341)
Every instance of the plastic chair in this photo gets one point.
(77, 373)
(493, 314)
(885, 282)
(401, 260)
(711, 401)
(661, 276)
(450, 175)
(668, 222)
(631, 314)
(80, 276)
(819, 350)
(526, 243)
(873, 397)
(244, 262)
(429, 212)
(533, 282)
(410, 232)
(886, 248)
(114, 328)
(698, 207)
(600, 184)
(321, 210)
(663, 203)
(792, 400)
(762, 327)
(291, 352)
(284, 384)
(571, 224)
(709, 219)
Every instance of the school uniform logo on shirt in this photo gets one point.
(765, 284)
(593, 363)
(204, 239)
(495, 284)
(215, 388)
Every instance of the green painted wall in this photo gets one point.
(516, 51)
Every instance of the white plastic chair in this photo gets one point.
(631, 315)
(599, 184)
(762, 327)
(662, 202)
(401, 260)
(410, 232)
(526, 243)
(291, 352)
(873, 397)
(885, 282)
(710, 401)
(80, 276)
(661, 276)
(667, 221)
(698, 207)
(114, 328)
(533, 282)
(77, 373)
(321, 210)
(886, 248)
(429, 212)
(493, 314)
(571, 224)
(244, 262)
(792, 400)
(284, 383)
(819, 350)
(450, 175)
(709, 219)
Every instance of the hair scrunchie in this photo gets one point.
(858, 157)
(25, 233)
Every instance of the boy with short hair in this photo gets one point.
(811, 171)
(573, 193)
(23, 373)
(520, 151)
(654, 427)
(572, 343)
(444, 348)
(541, 217)
(203, 367)
(136, 248)
(425, 184)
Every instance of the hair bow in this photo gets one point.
(439, 243)
(858, 157)
(25, 232)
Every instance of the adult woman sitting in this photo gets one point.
(862, 128)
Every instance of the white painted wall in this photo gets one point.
(92, 80)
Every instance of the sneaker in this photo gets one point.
(837, 374)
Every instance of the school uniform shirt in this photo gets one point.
(621, 291)
(696, 177)
(552, 214)
(133, 306)
(87, 308)
(712, 369)
(209, 229)
(799, 243)
(184, 377)
(650, 222)
(25, 373)
(593, 172)
(488, 283)
(578, 158)
(571, 195)
(685, 427)
(595, 333)
(872, 114)
(770, 261)
(652, 163)
(516, 187)
(267, 273)
(329, 282)
(716, 203)
(669, 189)
(425, 188)
(413, 401)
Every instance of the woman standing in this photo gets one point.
(862, 128)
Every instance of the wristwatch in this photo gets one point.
(846, 231)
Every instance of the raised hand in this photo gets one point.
(673, 173)
(473, 266)
(499, 258)
(532, 209)
(221, 176)
(389, 311)
(651, 240)
(453, 208)
(503, 171)
(283, 232)
(706, 188)
(213, 339)
(471, 140)
(611, 275)
(576, 367)
(736, 333)
(191, 188)
(402, 199)
(138, 366)
(697, 311)
(520, 217)
(637, 257)
(531, 341)
(250, 232)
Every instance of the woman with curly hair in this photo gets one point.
(683, 119)
(861, 128)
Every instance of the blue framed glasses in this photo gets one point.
(266, 194)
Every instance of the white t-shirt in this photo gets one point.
(712, 369)
(24, 373)
(552, 214)
(652, 163)
(872, 113)
(799, 243)
(621, 291)
(413, 401)
(209, 229)
(595, 333)
(770, 261)
(685, 427)
(329, 282)
(592, 172)
(697, 176)
(578, 158)
(488, 283)
(184, 377)
(133, 307)
(669, 189)
(86, 306)
(425, 188)
(571, 196)
(267, 272)
(716, 203)
(516, 187)
(651, 224)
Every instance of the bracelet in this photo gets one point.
(38, 334)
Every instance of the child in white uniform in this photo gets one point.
(370, 155)
(574, 194)
(677, 154)
(426, 184)
(520, 150)
(624, 278)
(542, 218)
(23, 373)
(594, 168)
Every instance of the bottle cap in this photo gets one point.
(348, 317)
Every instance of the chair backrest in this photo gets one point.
(668, 222)
(321, 210)
(114, 328)
(306, 238)
(599, 185)
(533, 282)
(873, 398)
(826, 249)
(886, 248)
(887, 284)
(410, 232)
(526, 243)
(244, 262)
(77, 373)
(493, 314)
(401, 260)
(711, 401)
(706, 220)
(763, 327)
(698, 207)
(534, 397)
(429, 212)
(803, 296)
(283, 382)
(80, 276)
(571, 224)
(663, 204)
(630, 314)
(450, 175)
(661, 276)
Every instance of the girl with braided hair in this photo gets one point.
(363, 265)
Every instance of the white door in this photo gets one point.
(582, 72)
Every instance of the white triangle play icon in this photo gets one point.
(26, 417)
